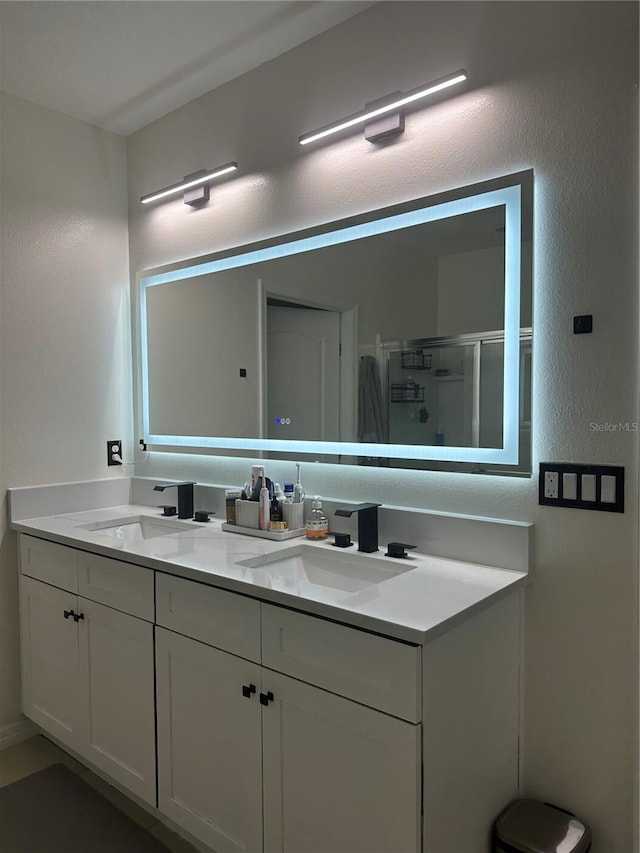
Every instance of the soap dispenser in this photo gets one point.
(317, 526)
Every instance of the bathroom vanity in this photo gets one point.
(276, 696)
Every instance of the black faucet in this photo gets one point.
(367, 524)
(185, 497)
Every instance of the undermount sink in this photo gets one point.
(348, 572)
(135, 527)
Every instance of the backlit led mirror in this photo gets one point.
(401, 338)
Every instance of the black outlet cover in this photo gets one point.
(114, 452)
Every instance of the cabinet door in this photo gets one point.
(117, 675)
(338, 776)
(209, 743)
(49, 649)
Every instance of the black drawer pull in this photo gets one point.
(78, 616)
(247, 690)
(68, 613)
(265, 698)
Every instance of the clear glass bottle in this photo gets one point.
(317, 526)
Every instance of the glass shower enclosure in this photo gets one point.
(449, 390)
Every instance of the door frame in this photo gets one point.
(348, 378)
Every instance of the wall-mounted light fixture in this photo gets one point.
(389, 107)
(194, 186)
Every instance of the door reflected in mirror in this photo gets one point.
(401, 337)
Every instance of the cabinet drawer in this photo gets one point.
(49, 562)
(378, 672)
(222, 619)
(114, 583)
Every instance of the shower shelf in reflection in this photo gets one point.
(409, 393)
(415, 360)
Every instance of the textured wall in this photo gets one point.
(64, 320)
(553, 87)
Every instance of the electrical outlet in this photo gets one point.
(551, 484)
(114, 452)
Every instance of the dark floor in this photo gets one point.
(34, 754)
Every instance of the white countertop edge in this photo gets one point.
(409, 587)
(343, 615)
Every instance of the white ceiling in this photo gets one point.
(121, 64)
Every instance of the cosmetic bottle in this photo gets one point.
(263, 515)
(276, 521)
(278, 494)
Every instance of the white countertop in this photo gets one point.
(415, 606)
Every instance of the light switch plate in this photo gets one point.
(598, 487)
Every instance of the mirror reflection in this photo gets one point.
(400, 336)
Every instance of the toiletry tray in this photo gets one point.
(276, 535)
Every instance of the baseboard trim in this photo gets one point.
(16, 732)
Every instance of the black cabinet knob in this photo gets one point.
(265, 698)
(78, 616)
(68, 613)
(247, 690)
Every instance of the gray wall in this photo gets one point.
(552, 86)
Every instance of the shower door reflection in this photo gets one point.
(449, 391)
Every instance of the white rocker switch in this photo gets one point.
(569, 487)
(607, 489)
(588, 487)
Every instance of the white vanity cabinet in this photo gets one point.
(274, 730)
(250, 758)
(87, 668)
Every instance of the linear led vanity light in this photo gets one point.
(393, 104)
(197, 179)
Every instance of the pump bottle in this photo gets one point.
(317, 526)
